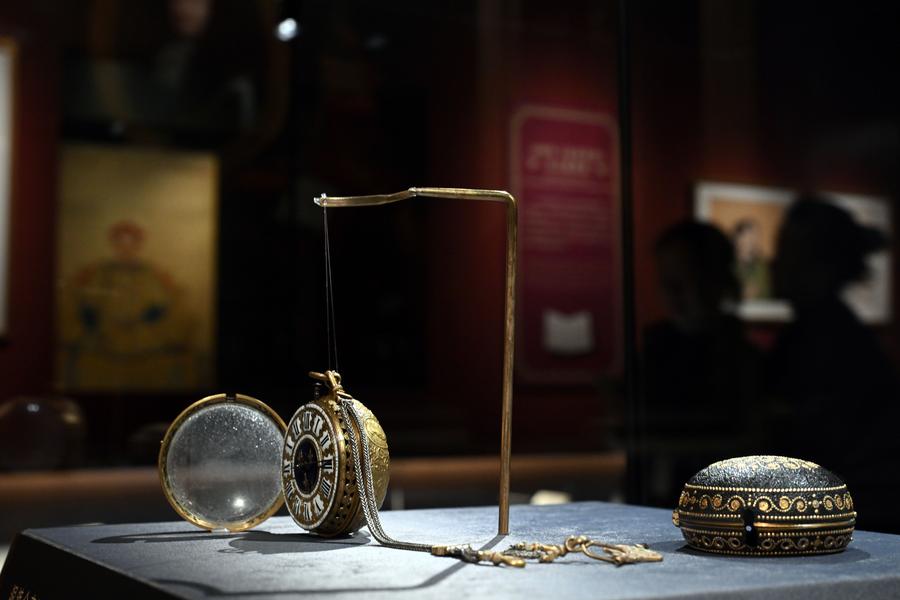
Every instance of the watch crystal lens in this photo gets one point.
(223, 464)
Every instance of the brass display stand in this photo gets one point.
(510, 302)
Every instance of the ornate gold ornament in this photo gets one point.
(766, 506)
(515, 555)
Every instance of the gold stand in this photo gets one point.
(509, 328)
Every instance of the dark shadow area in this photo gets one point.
(850, 555)
(213, 592)
(263, 542)
(166, 537)
(260, 542)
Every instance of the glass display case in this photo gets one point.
(707, 249)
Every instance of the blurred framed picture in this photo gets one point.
(136, 266)
(871, 299)
(752, 215)
(7, 101)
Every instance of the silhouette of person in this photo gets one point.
(701, 376)
(835, 388)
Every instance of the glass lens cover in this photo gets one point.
(220, 462)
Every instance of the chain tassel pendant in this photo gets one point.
(515, 555)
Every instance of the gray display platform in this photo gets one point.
(277, 560)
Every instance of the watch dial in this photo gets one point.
(306, 466)
(310, 465)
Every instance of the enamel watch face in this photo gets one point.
(310, 465)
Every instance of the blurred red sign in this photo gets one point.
(564, 172)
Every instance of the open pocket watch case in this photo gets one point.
(219, 462)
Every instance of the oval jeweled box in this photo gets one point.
(765, 506)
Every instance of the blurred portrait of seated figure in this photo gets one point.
(123, 321)
(701, 376)
(836, 389)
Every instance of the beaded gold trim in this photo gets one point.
(764, 526)
(769, 533)
(777, 544)
(766, 502)
(714, 488)
(849, 515)
(774, 553)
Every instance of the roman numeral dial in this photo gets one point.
(311, 465)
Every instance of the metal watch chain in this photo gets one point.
(365, 483)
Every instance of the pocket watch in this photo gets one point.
(320, 483)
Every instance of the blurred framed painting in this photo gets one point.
(136, 268)
(870, 299)
(751, 217)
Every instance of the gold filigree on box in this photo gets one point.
(766, 506)
(767, 463)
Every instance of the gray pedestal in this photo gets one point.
(277, 560)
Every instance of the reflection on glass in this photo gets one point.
(223, 464)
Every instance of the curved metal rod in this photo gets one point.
(510, 310)
(379, 199)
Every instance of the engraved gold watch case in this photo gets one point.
(318, 476)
